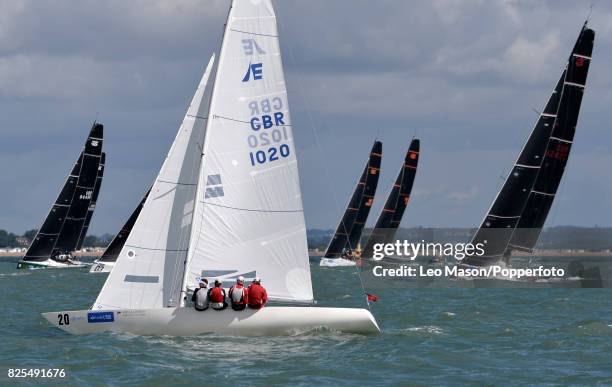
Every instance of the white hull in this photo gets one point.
(50, 264)
(269, 321)
(101, 267)
(334, 262)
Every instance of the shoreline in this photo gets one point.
(75, 254)
(319, 253)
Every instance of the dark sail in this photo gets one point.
(363, 196)
(114, 248)
(521, 207)
(77, 213)
(551, 171)
(391, 215)
(42, 245)
(92, 205)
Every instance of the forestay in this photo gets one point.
(150, 266)
(249, 219)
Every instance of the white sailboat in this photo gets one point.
(229, 208)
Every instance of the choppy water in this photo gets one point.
(430, 337)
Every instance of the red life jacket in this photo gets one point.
(257, 296)
(238, 294)
(217, 295)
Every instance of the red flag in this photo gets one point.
(372, 297)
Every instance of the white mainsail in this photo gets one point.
(248, 214)
(149, 269)
(230, 208)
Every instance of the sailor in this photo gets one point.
(257, 294)
(238, 295)
(216, 296)
(200, 296)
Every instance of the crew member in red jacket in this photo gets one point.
(238, 295)
(257, 294)
(216, 296)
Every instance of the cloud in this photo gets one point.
(462, 75)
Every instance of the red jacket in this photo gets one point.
(257, 296)
(216, 295)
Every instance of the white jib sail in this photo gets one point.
(249, 218)
(149, 269)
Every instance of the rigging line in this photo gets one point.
(319, 147)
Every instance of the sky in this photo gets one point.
(466, 77)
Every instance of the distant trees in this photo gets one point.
(7, 239)
(96, 241)
(30, 234)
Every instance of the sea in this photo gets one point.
(430, 336)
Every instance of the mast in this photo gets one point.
(528, 192)
(199, 187)
(391, 214)
(341, 237)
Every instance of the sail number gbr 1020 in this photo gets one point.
(268, 131)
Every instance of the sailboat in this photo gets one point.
(226, 203)
(344, 243)
(106, 262)
(519, 211)
(59, 234)
(92, 205)
(391, 214)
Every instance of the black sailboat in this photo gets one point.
(391, 214)
(114, 248)
(348, 232)
(60, 231)
(517, 215)
(92, 205)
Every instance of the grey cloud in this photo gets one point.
(462, 75)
